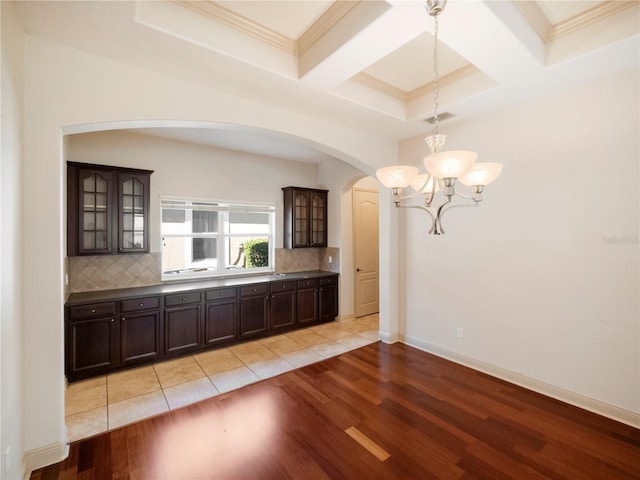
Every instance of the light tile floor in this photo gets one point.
(103, 403)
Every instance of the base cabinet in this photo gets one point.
(254, 310)
(106, 336)
(140, 330)
(308, 301)
(328, 299)
(283, 305)
(91, 339)
(221, 321)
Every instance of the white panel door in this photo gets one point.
(365, 245)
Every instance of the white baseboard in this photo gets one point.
(44, 456)
(567, 396)
(388, 337)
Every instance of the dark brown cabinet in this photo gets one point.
(328, 298)
(283, 305)
(254, 310)
(108, 331)
(140, 330)
(107, 209)
(91, 339)
(308, 301)
(220, 316)
(305, 217)
(182, 322)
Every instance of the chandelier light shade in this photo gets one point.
(397, 176)
(443, 167)
(451, 164)
(481, 174)
(425, 183)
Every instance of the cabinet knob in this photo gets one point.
(254, 289)
(108, 249)
(93, 310)
(184, 299)
(142, 304)
(123, 319)
(222, 294)
(113, 319)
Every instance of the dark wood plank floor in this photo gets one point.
(425, 416)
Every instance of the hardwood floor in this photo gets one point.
(379, 412)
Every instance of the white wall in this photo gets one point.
(543, 276)
(65, 90)
(11, 334)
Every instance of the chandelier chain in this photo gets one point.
(436, 74)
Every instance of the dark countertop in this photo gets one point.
(82, 298)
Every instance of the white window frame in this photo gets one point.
(224, 207)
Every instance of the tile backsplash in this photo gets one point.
(104, 272)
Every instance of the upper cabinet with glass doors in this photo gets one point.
(305, 217)
(107, 210)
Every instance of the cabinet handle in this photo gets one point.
(184, 299)
(123, 319)
(222, 294)
(108, 249)
(254, 289)
(199, 307)
(113, 319)
(142, 304)
(93, 310)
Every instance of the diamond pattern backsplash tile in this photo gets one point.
(104, 272)
(302, 259)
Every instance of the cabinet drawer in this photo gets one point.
(182, 299)
(328, 281)
(254, 290)
(308, 283)
(283, 287)
(95, 310)
(219, 294)
(137, 304)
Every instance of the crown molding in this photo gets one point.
(382, 87)
(324, 23)
(593, 15)
(448, 79)
(548, 32)
(231, 19)
(536, 18)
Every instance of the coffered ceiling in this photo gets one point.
(366, 64)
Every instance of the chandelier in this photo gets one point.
(443, 167)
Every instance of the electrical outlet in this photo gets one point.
(459, 332)
(330, 259)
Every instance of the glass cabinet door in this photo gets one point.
(133, 213)
(318, 220)
(301, 219)
(94, 215)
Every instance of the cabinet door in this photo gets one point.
(133, 220)
(283, 310)
(221, 321)
(140, 336)
(91, 345)
(318, 224)
(307, 306)
(254, 312)
(182, 328)
(300, 218)
(95, 212)
(328, 299)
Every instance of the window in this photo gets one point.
(209, 238)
